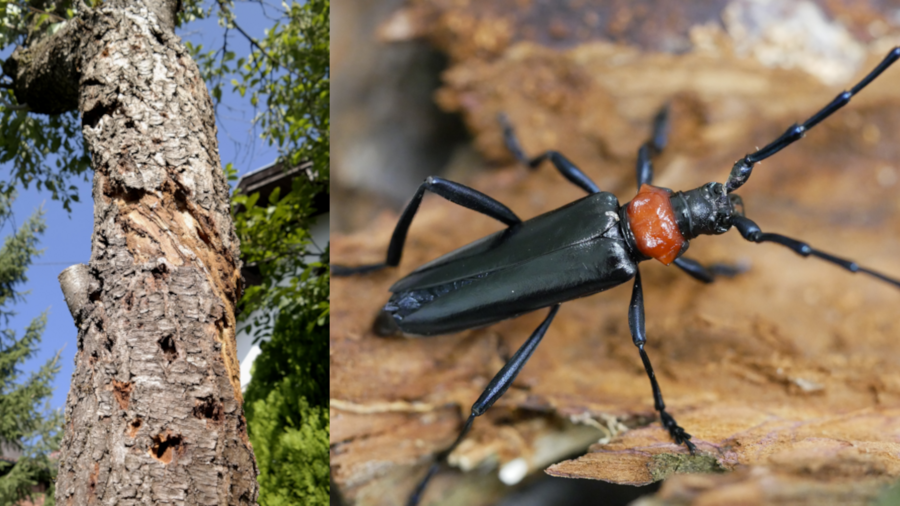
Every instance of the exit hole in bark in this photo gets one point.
(92, 479)
(160, 271)
(134, 426)
(208, 408)
(95, 114)
(203, 236)
(166, 446)
(122, 391)
(167, 345)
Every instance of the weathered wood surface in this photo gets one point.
(786, 375)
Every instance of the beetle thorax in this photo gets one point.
(652, 220)
(663, 222)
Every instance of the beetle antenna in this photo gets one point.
(743, 167)
(751, 232)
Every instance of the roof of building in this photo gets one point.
(266, 179)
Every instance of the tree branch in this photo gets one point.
(53, 15)
(45, 75)
(252, 41)
(13, 107)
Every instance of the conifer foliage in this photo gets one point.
(28, 429)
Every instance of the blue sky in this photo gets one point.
(67, 240)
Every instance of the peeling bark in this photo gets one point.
(155, 413)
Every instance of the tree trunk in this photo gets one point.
(155, 413)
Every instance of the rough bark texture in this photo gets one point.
(155, 413)
(786, 375)
(164, 10)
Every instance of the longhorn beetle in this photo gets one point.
(586, 247)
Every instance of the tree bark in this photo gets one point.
(155, 413)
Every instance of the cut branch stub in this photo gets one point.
(45, 75)
(76, 284)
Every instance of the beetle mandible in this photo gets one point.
(546, 261)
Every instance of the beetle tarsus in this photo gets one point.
(676, 431)
(417, 493)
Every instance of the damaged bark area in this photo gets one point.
(155, 412)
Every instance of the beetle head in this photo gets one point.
(704, 211)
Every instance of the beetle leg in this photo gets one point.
(562, 164)
(708, 273)
(639, 335)
(750, 231)
(652, 147)
(495, 389)
(454, 192)
(742, 168)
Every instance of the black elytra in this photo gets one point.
(580, 249)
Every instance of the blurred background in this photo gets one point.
(417, 88)
(396, 124)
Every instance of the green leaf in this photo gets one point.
(287, 398)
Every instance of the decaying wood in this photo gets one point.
(154, 415)
(778, 457)
(786, 376)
